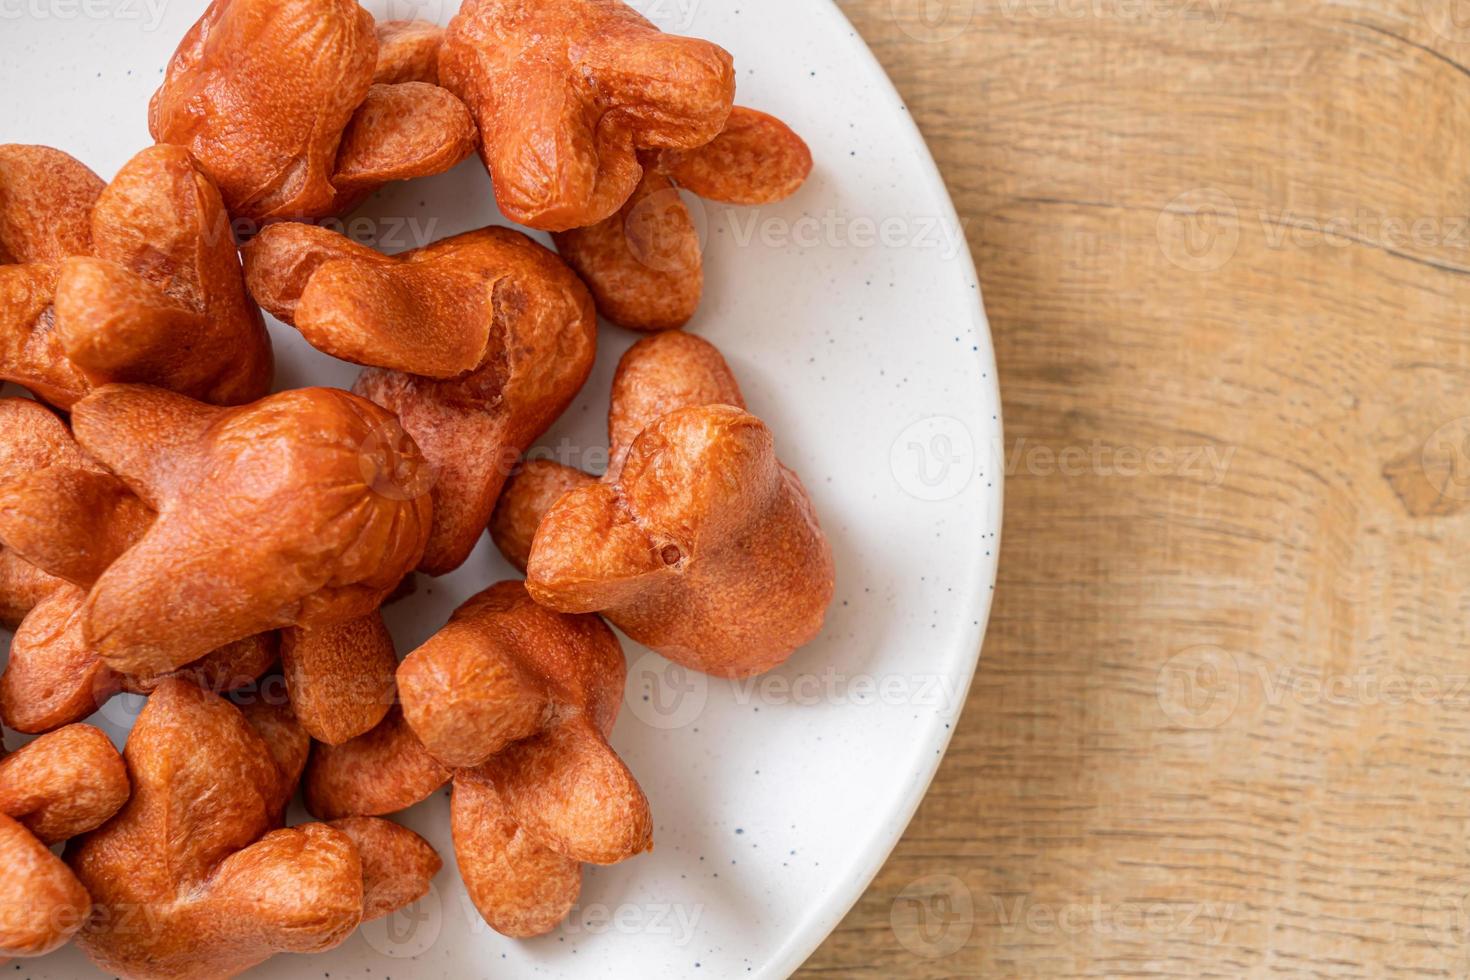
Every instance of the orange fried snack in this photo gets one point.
(697, 542)
(60, 785)
(194, 878)
(65, 517)
(408, 51)
(312, 544)
(565, 92)
(151, 293)
(477, 343)
(515, 702)
(643, 264)
(33, 440)
(380, 772)
(340, 677)
(280, 102)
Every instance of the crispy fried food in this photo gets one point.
(757, 159)
(516, 702)
(192, 878)
(408, 51)
(55, 677)
(643, 264)
(60, 785)
(46, 200)
(340, 677)
(697, 542)
(313, 544)
(397, 864)
(478, 343)
(67, 519)
(565, 92)
(381, 772)
(276, 100)
(151, 293)
(32, 439)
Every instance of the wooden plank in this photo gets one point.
(1222, 722)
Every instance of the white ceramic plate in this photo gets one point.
(852, 317)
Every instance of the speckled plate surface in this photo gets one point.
(852, 317)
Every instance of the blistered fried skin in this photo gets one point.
(191, 878)
(400, 132)
(520, 886)
(60, 785)
(162, 300)
(697, 542)
(509, 328)
(382, 772)
(430, 311)
(315, 543)
(287, 742)
(340, 677)
(54, 677)
(42, 904)
(261, 93)
(565, 92)
(532, 489)
(151, 293)
(46, 200)
(72, 522)
(757, 159)
(520, 700)
(502, 670)
(22, 587)
(643, 264)
(63, 784)
(397, 864)
(662, 375)
(30, 349)
(34, 440)
(408, 51)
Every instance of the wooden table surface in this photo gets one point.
(1222, 721)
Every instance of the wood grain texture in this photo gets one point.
(1222, 722)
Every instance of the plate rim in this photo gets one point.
(825, 917)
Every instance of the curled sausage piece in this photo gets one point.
(643, 264)
(55, 677)
(151, 293)
(193, 877)
(697, 542)
(565, 92)
(60, 785)
(340, 677)
(321, 538)
(280, 102)
(520, 700)
(478, 343)
(380, 772)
